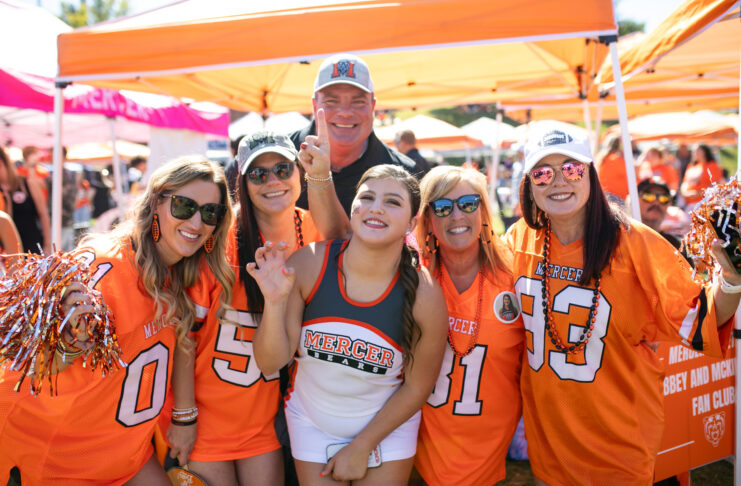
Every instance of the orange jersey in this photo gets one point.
(97, 430)
(612, 175)
(471, 415)
(596, 417)
(237, 404)
(698, 177)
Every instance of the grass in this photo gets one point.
(718, 473)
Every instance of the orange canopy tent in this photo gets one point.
(252, 57)
(431, 134)
(699, 127)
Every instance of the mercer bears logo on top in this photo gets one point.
(715, 427)
(344, 69)
(358, 354)
(555, 137)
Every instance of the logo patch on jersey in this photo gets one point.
(358, 354)
(715, 426)
(505, 307)
(562, 273)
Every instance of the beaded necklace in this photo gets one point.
(546, 293)
(297, 225)
(474, 338)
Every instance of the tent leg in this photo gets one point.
(625, 136)
(597, 127)
(494, 166)
(588, 121)
(58, 164)
(117, 179)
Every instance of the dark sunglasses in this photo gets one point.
(572, 171)
(443, 207)
(282, 170)
(184, 208)
(650, 197)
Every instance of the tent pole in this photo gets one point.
(597, 126)
(58, 164)
(625, 136)
(117, 179)
(494, 166)
(736, 333)
(588, 121)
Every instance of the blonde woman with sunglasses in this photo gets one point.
(234, 440)
(155, 272)
(469, 419)
(594, 288)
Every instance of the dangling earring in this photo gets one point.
(489, 233)
(435, 246)
(208, 246)
(155, 228)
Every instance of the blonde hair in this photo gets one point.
(436, 184)
(167, 285)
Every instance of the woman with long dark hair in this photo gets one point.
(234, 440)
(595, 288)
(702, 172)
(368, 329)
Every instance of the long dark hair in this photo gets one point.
(249, 240)
(706, 152)
(602, 232)
(408, 276)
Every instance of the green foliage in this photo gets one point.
(99, 11)
(627, 26)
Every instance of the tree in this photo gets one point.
(100, 10)
(626, 26)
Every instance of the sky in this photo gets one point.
(652, 12)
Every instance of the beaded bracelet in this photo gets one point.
(316, 181)
(66, 352)
(184, 414)
(728, 288)
(177, 422)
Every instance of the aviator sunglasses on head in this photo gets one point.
(443, 207)
(572, 171)
(282, 170)
(650, 197)
(184, 208)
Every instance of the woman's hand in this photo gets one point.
(729, 271)
(75, 303)
(182, 438)
(350, 463)
(314, 153)
(270, 272)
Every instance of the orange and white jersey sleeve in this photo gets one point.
(97, 430)
(595, 417)
(237, 403)
(471, 415)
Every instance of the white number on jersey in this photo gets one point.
(468, 404)
(89, 257)
(227, 342)
(127, 414)
(562, 302)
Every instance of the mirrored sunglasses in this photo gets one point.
(184, 208)
(443, 207)
(572, 171)
(650, 197)
(282, 170)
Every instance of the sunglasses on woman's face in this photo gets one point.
(443, 207)
(282, 170)
(184, 208)
(572, 171)
(650, 197)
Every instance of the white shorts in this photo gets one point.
(309, 443)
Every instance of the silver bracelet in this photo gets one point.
(726, 287)
(316, 182)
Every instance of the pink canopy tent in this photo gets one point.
(21, 91)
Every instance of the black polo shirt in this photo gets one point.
(376, 153)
